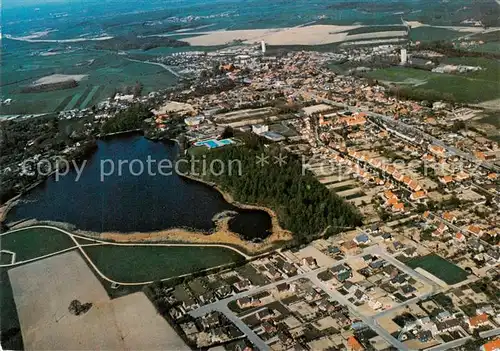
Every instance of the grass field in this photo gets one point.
(34, 242)
(469, 87)
(427, 34)
(439, 267)
(142, 263)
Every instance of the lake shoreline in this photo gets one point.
(182, 231)
(221, 236)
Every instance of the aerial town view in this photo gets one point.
(250, 175)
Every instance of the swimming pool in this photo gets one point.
(213, 143)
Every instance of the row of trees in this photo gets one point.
(303, 205)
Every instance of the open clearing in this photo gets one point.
(59, 78)
(43, 291)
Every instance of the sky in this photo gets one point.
(35, 3)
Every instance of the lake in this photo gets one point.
(129, 203)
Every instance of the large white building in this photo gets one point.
(260, 128)
(404, 56)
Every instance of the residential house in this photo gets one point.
(211, 320)
(310, 262)
(424, 335)
(374, 304)
(223, 291)
(486, 309)
(460, 237)
(265, 314)
(398, 245)
(476, 230)
(442, 316)
(353, 344)
(342, 272)
(190, 304)
(410, 252)
(493, 345)
(285, 288)
(418, 196)
(289, 269)
(242, 285)
(247, 302)
(368, 258)
(390, 271)
(362, 239)
(387, 237)
(377, 264)
(407, 290)
(398, 281)
(493, 256)
(440, 230)
(360, 296)
(447, 326)
(450, 217)
(349, 247)
(478, 321)
(446, 180)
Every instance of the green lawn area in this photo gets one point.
(146, 263)
(34, 242)
(427, 34)
(5, 258)
(470, 87)
(439, 267)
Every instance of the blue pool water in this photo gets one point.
(212, 144)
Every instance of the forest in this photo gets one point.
(303, 205)
(130, 119)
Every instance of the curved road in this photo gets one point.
(98, 242)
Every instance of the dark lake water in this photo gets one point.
(129, 203)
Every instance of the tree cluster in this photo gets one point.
(133, 42)
(303, 205)
(77, 308)
(129, 119)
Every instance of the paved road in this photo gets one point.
(402, 304)
(200, 311)
(417, 131)
(369, 321)
(488, 333)
(254, 338)
(221, 305)
(404, 268)
(449, 345)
